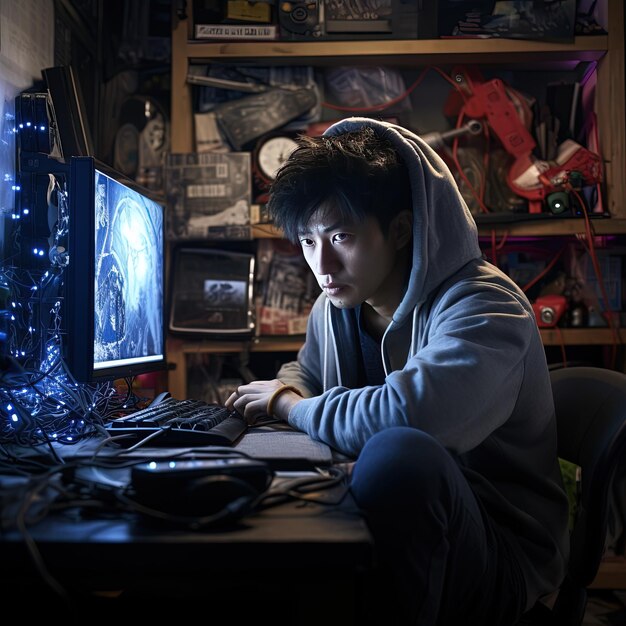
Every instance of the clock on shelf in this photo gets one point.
(270, 153)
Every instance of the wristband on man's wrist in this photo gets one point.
(272, 401)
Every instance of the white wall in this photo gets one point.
(26, 46)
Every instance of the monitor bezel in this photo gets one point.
(79, 344)
(70, 111)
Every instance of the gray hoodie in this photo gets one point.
(464, 362)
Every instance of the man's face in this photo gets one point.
(352, 262)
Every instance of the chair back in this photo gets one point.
(590, 404)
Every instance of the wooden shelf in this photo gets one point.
(254, 344)
(523, 228)
(580, 336)
(550, 337)
(177, 349)
(265, 231)
(555, 227)
(399, 52)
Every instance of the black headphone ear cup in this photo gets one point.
(212, 495)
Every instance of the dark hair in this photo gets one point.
(358, 173)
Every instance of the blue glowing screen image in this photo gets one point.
(129, 257)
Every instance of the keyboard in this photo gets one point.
(180, 423)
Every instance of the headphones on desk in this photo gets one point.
(198, 493)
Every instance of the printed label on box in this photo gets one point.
(208, 195)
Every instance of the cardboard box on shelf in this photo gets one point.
(208, 195)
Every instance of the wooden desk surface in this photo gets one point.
(290, 551)
(292, 534)
(296, 563)
(90, 543)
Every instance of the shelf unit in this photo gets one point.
(523, 228)
(606, 51)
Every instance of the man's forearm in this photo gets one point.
(284, 403)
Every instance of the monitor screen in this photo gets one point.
(212, 292)
(115, 278)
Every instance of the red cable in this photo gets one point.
(598, 272)
(505, 236)
(481, 204)
(545, 270)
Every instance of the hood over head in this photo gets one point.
(445, 236)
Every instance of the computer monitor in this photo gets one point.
(115, 277)
(69, 110)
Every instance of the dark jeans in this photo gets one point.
(439, 560)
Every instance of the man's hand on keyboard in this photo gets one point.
(263, 397)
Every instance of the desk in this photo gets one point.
(296, 563)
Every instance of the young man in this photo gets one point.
(424, 362)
